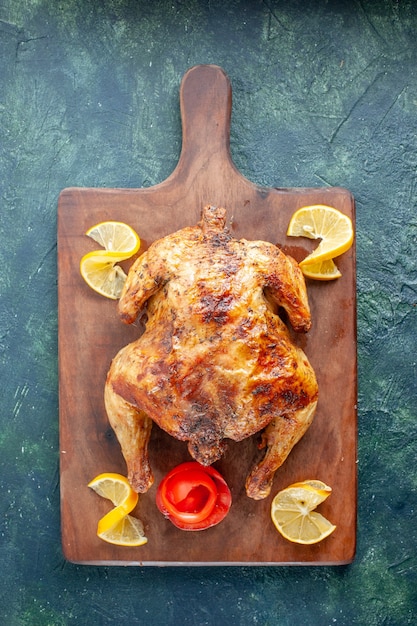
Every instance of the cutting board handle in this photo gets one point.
(206, 105)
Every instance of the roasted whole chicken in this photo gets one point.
(216, 361)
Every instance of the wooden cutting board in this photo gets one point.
(90, 335)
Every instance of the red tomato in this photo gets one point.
(193, 497)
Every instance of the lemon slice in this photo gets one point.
(292, 512)
(101, 273)
(115, 488)
(315, 485)
(323, 270)
(115, 237)
(127, 532)
(99, 268)
(326, 223)
(117, 526)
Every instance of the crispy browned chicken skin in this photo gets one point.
(215, 361)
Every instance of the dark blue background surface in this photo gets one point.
(325, 93)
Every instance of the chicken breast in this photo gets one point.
(216, 361)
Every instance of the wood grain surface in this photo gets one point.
(90, 335)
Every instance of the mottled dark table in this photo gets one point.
(325, 94)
